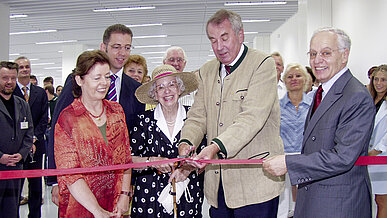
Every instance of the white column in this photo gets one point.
(4, 33)
(262, 43)
(69, 58)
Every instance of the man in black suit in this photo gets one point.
(38, 102)
(117, 43)
(16, 137)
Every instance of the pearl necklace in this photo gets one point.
(170, 123)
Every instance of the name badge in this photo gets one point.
(24, 125)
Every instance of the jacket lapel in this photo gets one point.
(330, 98)
(33, 95)
(4, 110)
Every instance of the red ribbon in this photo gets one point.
(16, 174)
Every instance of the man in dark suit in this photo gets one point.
(337, 131)
(36, 97)
(117, 43)
(15, 139)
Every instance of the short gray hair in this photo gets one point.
(174, 48)
(222, 15)
(343, 39)
(152, 90)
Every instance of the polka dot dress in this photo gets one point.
(148, 140)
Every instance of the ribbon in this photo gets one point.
(16, 174)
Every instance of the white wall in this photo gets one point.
(4, 33)
(363, 20)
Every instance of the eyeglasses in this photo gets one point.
(118, 47)
(326, 53)
(179, 60)
(172, 85)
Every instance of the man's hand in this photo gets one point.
(4, 159)
(276, 166)
(55, 194)
(206, 154)
(14, 159)
(10, 160)
(181, 173)
(33, 148)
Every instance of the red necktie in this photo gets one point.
(317, 99)
(228, 69)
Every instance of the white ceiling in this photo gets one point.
(182, 20)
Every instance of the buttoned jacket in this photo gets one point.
(243, 117)
(14, 138)
(329, 184)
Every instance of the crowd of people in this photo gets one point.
(309, 124)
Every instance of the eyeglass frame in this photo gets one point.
(171, 85)
(118, 47)
(179, 60)
(321, 53)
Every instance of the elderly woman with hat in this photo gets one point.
(154, 137)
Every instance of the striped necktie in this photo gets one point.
(26, 96)
(112, 95)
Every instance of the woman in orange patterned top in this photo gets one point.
(92, 132)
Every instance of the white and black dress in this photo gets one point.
(150, 138)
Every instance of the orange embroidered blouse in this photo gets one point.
(79, 143)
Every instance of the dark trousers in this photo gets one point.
(266, 209)
(34, 187)
(9, 198)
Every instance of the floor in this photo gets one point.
(50, 210)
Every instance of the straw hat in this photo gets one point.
(189, 80)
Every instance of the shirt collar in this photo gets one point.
(162, 123)
(328, 85)
(237, 57)
(21, 86)
(119, 73)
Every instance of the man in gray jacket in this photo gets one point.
(15, 139)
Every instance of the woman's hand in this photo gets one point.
(101, 213)
(163, 168)
(122, 205)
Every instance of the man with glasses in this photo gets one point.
(117, 43)
(337, 131)
(16, 137)
(37, 99)
(176, 57)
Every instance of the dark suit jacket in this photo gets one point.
(13, 139)
(329, 185)
(127, 100)
(38, 102)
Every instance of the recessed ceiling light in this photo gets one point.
(18, 15)
(124, 9)
(255, 21)
(14, 54)
(147, 37)
(154, 57)
(251, 33)
(39, 64)
(151, 46)
(55, 42)
(143, 25)
(32, 32)
(255, 3)
(153, 52)
(157, 62)
(52, 68)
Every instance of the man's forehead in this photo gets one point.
(120, 38)
(175, 53)
(324, 40)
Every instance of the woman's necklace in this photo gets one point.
(170, 123)
(99, 116)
